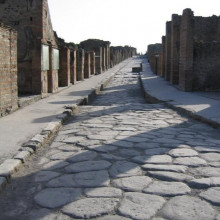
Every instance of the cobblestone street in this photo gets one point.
(121, 158)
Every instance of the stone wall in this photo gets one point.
(31, 19)
(191, 51)
(8, 70)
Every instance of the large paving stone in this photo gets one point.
(124, 169)
(211, 157)
(105, 192)
(84, 166)
(205, 182)
(206, 149)
(140, 206)
(170, 176)
(105, 148)
(128, 153)
(90, 207)
(183, 153)
(163, 188)
(188, 208)
(113, 217)
(157, 151)
(62, 155)
(73, 140)
(134, 183)
(85, 179)
(125, 144)
(53, 165)
(43, 176)
(212, 195)
(56, 197)
(155, 159)
(146, 145)
(206, 171)
(162, 167)
(82, 156)
(190, 161)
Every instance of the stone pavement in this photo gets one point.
(204, 106)
(22, 125)
(121, 158)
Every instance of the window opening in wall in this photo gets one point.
(45, 58)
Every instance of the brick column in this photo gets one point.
(186, 51)
(87, 70)
(168, 50)
(73, 66)
(92, 62)
(64, 72)
(98, 61)
(163, 56)
(175, 44)
(103, 59)
(80, 64)
(107, 56)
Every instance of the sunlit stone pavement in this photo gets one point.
(121, 158)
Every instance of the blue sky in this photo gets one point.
(122, 22)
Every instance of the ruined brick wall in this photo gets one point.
(64, 71)
(163, 56)
(92, 62)
(73, 66)
(8, 70)
(87, 66)
(206, 66)
(80, 59)
(31, 19)
(168, 51)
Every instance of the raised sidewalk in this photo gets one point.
(204, 106)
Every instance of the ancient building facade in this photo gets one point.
(190, 52)
(38, 61)
(8, 70)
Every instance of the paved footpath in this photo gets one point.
(121, 158)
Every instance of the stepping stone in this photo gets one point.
(161, 167)
(187, 207)
(43, 176)
(190, 161)
(140, 206)
(163, 188)
(124, 169)
(183, 153)
(212, 195)
(53, 165)
(170, 176)
(104, 192)
(157, 151)
(88, 166)
(82, 155)
(90, 207)
(211, 157)
(85, 179)
(56, 197)
(134, 183)
(205, 182)
(156, 159)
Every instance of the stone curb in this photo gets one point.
(182, 110)
(10, 166)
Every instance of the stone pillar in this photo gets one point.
(103, 59)
(64, 72)
(98, 61)
(186, 51)
(168, 50)
(80, 64)
(87, 70)
(73, 66)
(175, 47)
(163, 56)
(92, 62)
(107, 56)
(52, 73)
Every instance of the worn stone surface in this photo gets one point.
(190, 161)
(134, 183)
(211, 157)
(205, 182)
(124, 168)
(56, 197)
(136, 205)
(157, 159)
(43, 176)
(106, 192)
(161, 167)
(82, 156)
(183, 153)
(164, 188)
(212, 195)
(187, 207)
(90, 207)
